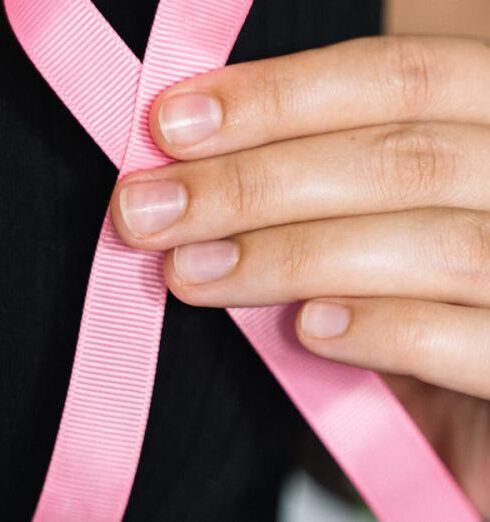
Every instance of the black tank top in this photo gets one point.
(221, 433)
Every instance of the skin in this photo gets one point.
(357, 174)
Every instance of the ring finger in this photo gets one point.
(435, 254)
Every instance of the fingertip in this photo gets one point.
(145, 208)
(117, 217)
(192, 295)
(322, 327)
(182, 122)
(154, 126)
(322, 319)
(115, 212)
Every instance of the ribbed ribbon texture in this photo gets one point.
(106, 410)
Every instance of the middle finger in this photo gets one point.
(365, 171)
(440, 255)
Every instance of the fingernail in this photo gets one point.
(324, 320)
(151, 206)
(205, 262)
(187, 119)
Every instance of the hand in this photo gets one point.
(355, 178)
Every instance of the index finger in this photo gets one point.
(358, 83)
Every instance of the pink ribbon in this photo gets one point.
(104, 419)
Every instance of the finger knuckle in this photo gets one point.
(408, 336)
(414, 164)
(410, 70)
(246, 185)
(296, 255)
(463, 244)
(272, 95)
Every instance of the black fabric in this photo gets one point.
(221, 433)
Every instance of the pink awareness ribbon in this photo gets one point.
(104, 419)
